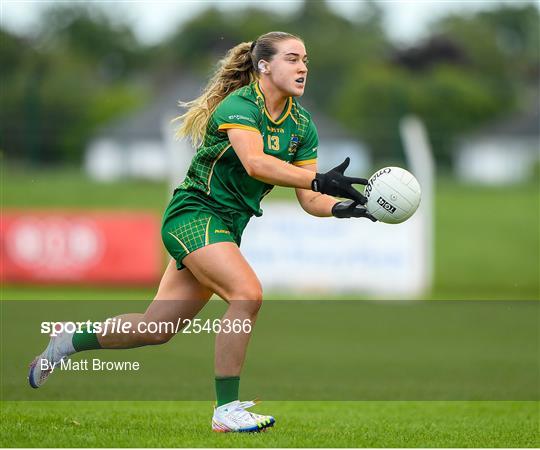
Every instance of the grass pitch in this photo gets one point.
(311, 368)
(299, 424)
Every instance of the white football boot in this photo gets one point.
(233, 417)
(59, 348)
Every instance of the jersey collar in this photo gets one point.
(285, 113)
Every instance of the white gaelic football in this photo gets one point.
(393, 195)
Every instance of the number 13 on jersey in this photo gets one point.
(273, 142)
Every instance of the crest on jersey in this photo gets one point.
(293, 145)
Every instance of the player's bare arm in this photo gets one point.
(248, 145)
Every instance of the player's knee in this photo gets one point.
(252, 291)
(247, 299)
(245, 308)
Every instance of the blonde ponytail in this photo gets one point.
(234, 71)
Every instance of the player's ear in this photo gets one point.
(262, 65)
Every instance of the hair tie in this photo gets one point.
(253, 44)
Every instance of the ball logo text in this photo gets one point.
(369, 186)
(391, 209)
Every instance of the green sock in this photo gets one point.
(85, 341)
(227, 389)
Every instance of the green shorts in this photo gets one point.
(192, 221)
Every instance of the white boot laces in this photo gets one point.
(241, 409)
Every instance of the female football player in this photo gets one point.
(250, 134)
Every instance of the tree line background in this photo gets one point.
(79, 70)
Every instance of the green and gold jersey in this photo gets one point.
(216, 170)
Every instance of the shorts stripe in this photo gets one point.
(180, 242)
(206, 237)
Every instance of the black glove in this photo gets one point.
(335, 183)
(349, 208)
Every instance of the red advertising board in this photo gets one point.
(80, 247)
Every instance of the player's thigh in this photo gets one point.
(222, 268)
(180, 285)
(180, 295)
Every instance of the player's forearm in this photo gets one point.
(316, 204)
(271, 170)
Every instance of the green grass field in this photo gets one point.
(308, 424)
(486, 248)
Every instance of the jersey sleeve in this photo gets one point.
(307, 151)
(236, 111)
